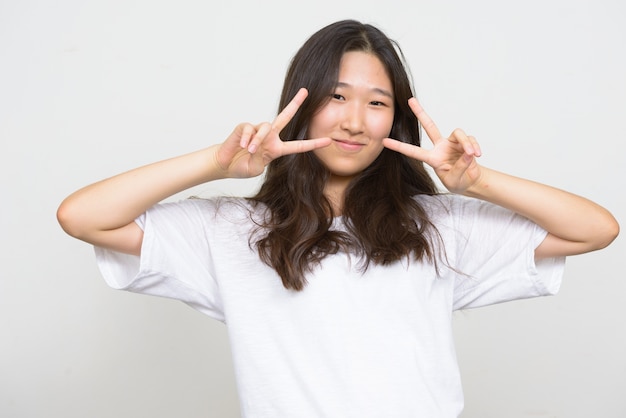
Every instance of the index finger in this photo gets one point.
(304, 145)
(427, 123)
(283, 118)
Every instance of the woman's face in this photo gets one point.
(357, 117)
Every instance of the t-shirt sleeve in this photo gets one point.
(494, 256)
(175, 261)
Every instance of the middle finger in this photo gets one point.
(427, 123)
(283, 118)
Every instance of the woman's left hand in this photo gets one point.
(575, 225)
(452, 158)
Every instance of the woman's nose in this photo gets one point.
(353, 119)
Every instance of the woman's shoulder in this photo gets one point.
(439, 204)
(450, 203)
(215, 208)
(448, 208)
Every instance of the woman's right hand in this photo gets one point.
(249, 148)
(103, 213)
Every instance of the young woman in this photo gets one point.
(338, 279)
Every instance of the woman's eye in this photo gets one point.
(337, 96)
(377, 103)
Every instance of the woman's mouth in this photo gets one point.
(350, 146)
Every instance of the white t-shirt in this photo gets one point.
(378, 344)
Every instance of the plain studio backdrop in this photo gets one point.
(92, 88)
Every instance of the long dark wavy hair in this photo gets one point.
(384, 222)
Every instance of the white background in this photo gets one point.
(92, 88)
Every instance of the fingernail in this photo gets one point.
(252, 148)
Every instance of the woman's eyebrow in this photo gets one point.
(379, 90)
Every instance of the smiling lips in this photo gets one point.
(350, 146)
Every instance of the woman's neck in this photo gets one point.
(335, 191)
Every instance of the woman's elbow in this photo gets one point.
(73, 221)
(69, 219)
(606, 232)
(597, 236)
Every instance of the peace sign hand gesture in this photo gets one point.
(452, 158)
(249, 148)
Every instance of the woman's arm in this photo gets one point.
(575, 225)
(103, 213)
